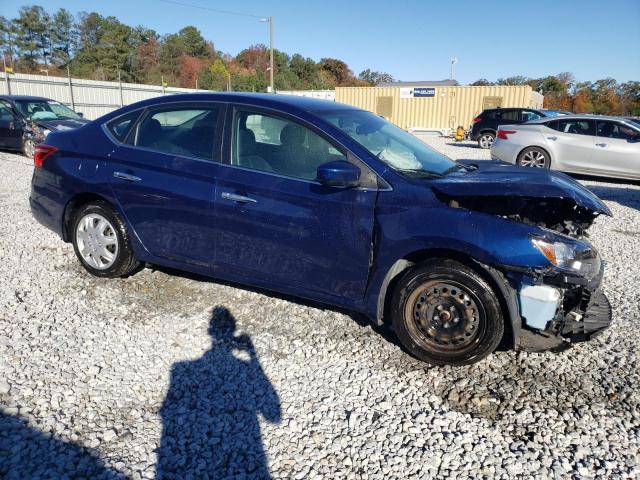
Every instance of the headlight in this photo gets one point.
(45, 132)
(568, 256)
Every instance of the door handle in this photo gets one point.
(237, 198)
(126, 176)
(552, 138)
(601, 144)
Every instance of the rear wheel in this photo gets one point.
(101, 242)
(534, 157)
(444, 313)
(486, 140)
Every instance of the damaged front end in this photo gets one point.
(559, 302)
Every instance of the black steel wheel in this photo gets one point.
(444, 313)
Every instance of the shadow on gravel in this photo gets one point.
(210, 425)
(464, 145)
(625, 196)
(29, 453)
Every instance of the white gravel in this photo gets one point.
(121, 378)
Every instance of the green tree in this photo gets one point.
(515, 80)
(63, 37)
(194, 43)
(483, 82)
(375, 78)
(32, 36)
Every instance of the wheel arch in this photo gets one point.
(73, 205)
(495, 278)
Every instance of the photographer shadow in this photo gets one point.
(210, 424)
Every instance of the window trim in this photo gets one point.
(229, 134)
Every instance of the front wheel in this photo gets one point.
(534, 157)
(444, 313)
(486, 140)
(101, 242)
(28, 148)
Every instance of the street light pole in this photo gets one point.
(454, 60)
(270, 20)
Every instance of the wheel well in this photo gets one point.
(535, 146)
(73, 205)
(423, 255)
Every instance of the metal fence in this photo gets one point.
(91, 97)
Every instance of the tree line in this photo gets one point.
(101, 48)
(93, 46)
(563, 92)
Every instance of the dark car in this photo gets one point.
(25, 121)
(484, 126)
(334, 204)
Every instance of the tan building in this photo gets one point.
(422, 105)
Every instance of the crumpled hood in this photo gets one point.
(497, 179)
(66, 124)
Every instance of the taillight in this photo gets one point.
(42, 152)
(476, 120)
(504, 134)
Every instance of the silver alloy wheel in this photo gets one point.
(534, 158)
(486, 140)
(97, 241)
(29, 148)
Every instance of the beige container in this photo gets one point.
(449, 107)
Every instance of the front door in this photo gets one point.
(617, 149)
(572, 142)
(163, 177)
(10, 128)
(280, 227)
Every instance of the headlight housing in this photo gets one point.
(569, 256)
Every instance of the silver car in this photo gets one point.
(587, 144)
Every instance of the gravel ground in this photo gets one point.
(164, 375)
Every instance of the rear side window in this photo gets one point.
(510, 115)
(184, 131)
(120, 127)
(576, 127)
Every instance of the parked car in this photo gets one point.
(592, 145)
(484, 127)
(330, 203)
(25, 121)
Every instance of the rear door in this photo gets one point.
(280, 227)
(163, 176)
(617, 149)
(571, 143)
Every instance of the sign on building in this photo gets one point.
(413, 92)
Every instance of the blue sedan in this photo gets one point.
(330, 203)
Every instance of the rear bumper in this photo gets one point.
(504, 151)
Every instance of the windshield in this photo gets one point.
(397, 148)
(45, 110)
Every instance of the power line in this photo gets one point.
(227, 12)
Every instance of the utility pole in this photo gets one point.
(270, 20)
(454, 60)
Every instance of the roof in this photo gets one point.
(578, 116)
(285, 103)
(23, 97)
(421, 83)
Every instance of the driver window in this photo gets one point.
(616, 130)
(276, 144)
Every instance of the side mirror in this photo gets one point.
(340, 174)
(80, 114)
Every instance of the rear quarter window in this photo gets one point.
(119, 127)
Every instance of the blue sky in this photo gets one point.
(412, 40)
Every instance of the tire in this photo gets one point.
(473, 326)
(486, 139)
(101, 241)
(534, 157)
(28, 148)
